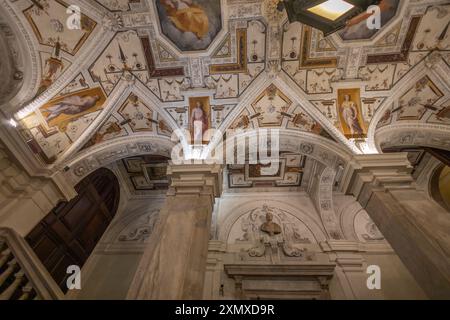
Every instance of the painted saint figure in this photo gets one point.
(187, 16)
(349, 113)
(71, 105)
(199, 122)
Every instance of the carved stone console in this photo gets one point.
(306, 280)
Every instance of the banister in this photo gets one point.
(29, 274)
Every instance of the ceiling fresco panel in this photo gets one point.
(357, 28)
(190, 25)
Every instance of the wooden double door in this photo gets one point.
(70, 232)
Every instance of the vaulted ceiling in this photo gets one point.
(124, 80)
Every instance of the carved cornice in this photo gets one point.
(414, 135)
(195, 179)
(307, 269)
(376, 172)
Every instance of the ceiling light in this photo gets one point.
(331, 9)
(325, 15)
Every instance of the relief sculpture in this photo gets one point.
(272, 233)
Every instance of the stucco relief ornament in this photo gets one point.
(187, 84)
(433, 59)
(142, 229)
(129, 79)
(79, 171)
(373, 233)
(307, 148)
(112, 22)
(273, 237)
(18, 75)
(271, 13)
(406, 139)
(210, 83)
(273, 68)
(338, 76)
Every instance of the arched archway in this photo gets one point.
(21, 63)
(70, 232)
(439, 187)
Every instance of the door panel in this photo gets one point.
(70, 232)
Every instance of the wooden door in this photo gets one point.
(70, 232)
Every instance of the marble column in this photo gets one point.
(174, 264)
(416, 227)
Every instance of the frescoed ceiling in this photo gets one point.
(132, 72)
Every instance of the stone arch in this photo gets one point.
(332, 159)
(22, 68)
(325, 151)
(413, 135)
(106, 153)
(439, 191)
(308, 220)
(325, 206)
(347, 215)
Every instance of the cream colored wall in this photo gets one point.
(351, 255)
(24, 200)
(110, 269)
(109, 279)
(396, 281)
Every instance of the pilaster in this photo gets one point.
(175, 261)
(415, 226)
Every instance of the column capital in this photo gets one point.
(197, 179)
(366, 173)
